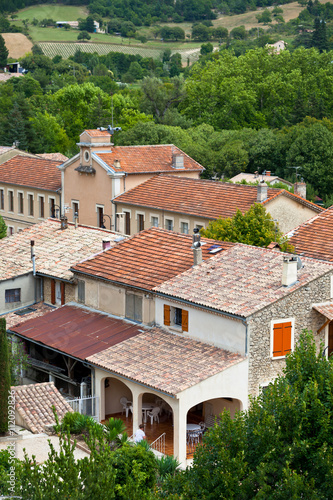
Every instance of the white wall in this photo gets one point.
(207, 327)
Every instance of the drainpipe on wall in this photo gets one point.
(33, 258)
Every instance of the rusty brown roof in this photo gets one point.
(77, 331)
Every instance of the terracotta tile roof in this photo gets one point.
(165, 361)
(33, 172)
(97, 133)
(325, 308)
(202, 198)
(147, 259)
(54, 156)
(34, 405)
(241, 281)
(313, 238)
(147, 159)
(56, 250)
(4, 149)
(37, 310)
(77, 331)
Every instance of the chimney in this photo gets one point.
(120, 223)
(300, 189)
(177, 161)
(63, 222)
(268, 173)
(106, 244)
(116, 164)
(196, 247)
(261, 192)
(289, 271)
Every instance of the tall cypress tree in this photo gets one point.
(4, 376)
(3, 52)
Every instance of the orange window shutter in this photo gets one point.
(184, 321)
(52, 291)
(167, 314)
(286, 337)
(62, 288)
(278, 340)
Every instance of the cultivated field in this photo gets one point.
(53, 11)
(65, 50)
(17, 44)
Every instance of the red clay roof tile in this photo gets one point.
(146, 259)
(33, 172)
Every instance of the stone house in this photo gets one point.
(181, 204)
(102, 171)
(218, 329)
(29, 273)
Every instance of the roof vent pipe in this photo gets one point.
(289, 271)
(196, 247)
(63, 222)
(261, 192)
(117, 164)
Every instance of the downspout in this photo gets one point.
(33, 258)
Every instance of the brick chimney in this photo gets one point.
(289, 271)
(261, 192)
(300, 189)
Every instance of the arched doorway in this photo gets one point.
(115, 394)
(157, 417)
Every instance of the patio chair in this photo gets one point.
(127, 405)
(193, 438)
(153, 414)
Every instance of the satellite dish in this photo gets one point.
(299, 264)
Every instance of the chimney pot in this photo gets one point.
(261, 192)
(289, 271)
(106, 244)
(63, 222)
(268, 172)
(117, 164)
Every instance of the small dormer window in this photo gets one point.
(86, 156)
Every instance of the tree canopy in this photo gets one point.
(281, 448)
(254, 227)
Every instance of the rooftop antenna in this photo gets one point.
(296, 171)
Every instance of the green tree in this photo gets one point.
(83, 35)
(200, 32)
(3, 228)
(254, 227)
(206, 48)
(160, 96)
(281, 448)
(3, 53)
(4, 377)
(265, 17)
(319, 36)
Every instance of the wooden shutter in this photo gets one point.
(62, 288)
(53, 300)
(281, 339)
(184, 320)
(167, 315)
(127, 223)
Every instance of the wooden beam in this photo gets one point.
(323, 326)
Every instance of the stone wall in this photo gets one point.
(298, 305)
(70, 291)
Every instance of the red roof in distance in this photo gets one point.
(33, 172)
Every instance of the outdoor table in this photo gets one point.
(145, 408)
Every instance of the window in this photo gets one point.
(31, 205)
(184, 227)
(10, 230)
(169, 224)
(100, 217)
(81, 291)
(41, 207)
(133, 307)
(141, 222)
(75, 207)
(52, 207)
(154, 221)
(199, 226)
(86, 156)
(20, 203)
(281, 338)
(127, 223)
(174, 316)
(2, 199)
(13, 295)
(10, 201)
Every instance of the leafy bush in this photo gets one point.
(167, 465)
(77, 423)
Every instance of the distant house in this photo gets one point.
(181, 204)
(276, 47)
(75, 25)
(30, 191)
(102, 171)
(263, 177)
